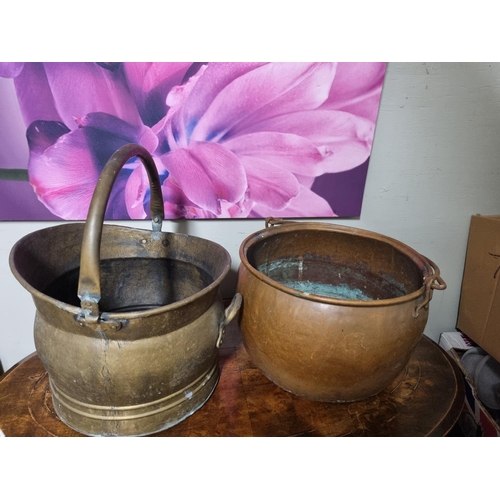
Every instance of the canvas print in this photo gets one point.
(230, 140)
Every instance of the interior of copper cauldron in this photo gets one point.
(346, 265)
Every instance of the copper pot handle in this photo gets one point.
(431, 283)
(89, 284)
(272, 221)
(229, 313)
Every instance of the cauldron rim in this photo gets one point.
(116, 315)
(291, 226)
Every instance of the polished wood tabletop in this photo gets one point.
(426, 399)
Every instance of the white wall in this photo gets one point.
(435, 162)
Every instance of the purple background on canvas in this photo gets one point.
(19, 202)
(345, 189)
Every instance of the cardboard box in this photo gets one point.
(479, 309)
(475, 419)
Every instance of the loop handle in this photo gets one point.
(230, 312)
(431, 283)
(89, 284)
(272, 221)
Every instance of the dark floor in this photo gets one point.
(456, 432)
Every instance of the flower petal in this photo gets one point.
(178, 206)
(82, 88)
(107, 133)
(306, 204)
(176, 134)
(35, 95)
(137, 189)
(64, 175)
(135, 192)
(270, 90)
(345, 140)
(291, 152)
(268, 184)
(117, 207)
(207, 173)
(150, 84)
(215, 77)
(10, 70)
(64, 165)
(43, 134)
(357, 88)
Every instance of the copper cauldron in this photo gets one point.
(332, 313)
(128, 321)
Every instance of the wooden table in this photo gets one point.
(425, 400)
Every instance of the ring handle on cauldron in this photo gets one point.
(272, 221)
(230, 312)
(89, 284)
(431, 283)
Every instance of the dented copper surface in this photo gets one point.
(332, 313)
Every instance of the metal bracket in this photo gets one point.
(99, 323)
